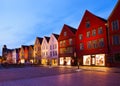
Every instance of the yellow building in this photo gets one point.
(37, 50)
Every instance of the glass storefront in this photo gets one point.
(86, 60)
(98, 60)
(61, 61)
(65, 61)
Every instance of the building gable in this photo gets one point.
(67, 32)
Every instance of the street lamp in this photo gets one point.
(77, 62)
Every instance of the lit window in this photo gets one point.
(100, 30)
(94, 32)
(115, 25)
(101, 42)
(60, 43)
(80, 36)
(116, 40)
(65, 33)
(87, 24)
(64, 42)
(81, 46)
(88, 34)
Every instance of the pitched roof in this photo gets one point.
(96, 16)
(118, 3)
(25, 46)
(47, 38)
(40, 39)
(74, 30)
(56, 35)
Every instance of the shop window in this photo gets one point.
(86, 60)
(87, 24)
(100, 30)
(115, 25)
(81, 46)
(81, 36)
(88, 34)
(61, 61)
(100, 59)
(94, 32)
(116, 40)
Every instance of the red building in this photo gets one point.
(92, 40)
(66, 43)
(114, 35)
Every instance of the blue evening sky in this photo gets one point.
(21, 21)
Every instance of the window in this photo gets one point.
(100, 30)
(50, 53)
(81, 46)
(87, 24)
(101, 42)
(64, 42)
(94, 32)
(89, 45)
(80, 36)
(55, 46)
(60, 43)
(115, 25)
(116, 40)
(70, 41)
(65, 33)
(95, 44)
(88, 34)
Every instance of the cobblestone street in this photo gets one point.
(57, 76)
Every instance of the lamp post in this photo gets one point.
(77, 62)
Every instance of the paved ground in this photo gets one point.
(60, 76)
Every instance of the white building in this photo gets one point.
(45, 51)
(53, 51)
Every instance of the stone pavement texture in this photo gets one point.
(60, 76)
(86, 78)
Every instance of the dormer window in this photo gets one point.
(87, 24)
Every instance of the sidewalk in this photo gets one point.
(94, 68)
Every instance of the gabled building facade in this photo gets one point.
(15, 55)
(24, 54)
(66, 43)
(114, 35)
(31, 53)
(92, 40)
(37, 50)
(45, 51)
(53, 51)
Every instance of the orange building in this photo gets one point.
(24, 53)
(31, 53)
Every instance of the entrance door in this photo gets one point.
(93, 60)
